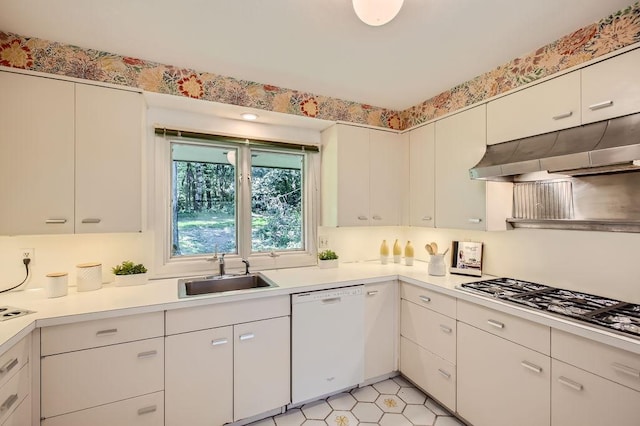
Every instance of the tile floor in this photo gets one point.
(392, 402)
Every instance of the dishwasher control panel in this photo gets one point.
(327, 294)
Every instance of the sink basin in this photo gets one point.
(219, 284)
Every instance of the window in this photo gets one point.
(251, 200)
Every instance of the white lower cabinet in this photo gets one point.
(501, 383)
(380, 327)
(22, 414)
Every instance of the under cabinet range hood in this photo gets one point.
(597, 148)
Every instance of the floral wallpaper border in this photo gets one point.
(609, 34)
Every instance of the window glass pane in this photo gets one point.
(276, 201)
(203, 199)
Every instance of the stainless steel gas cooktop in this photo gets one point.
(613, 315)
(9, 312)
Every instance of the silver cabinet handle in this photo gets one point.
(219, 342)
(147, 410)
(494, 323)
(425, 299)
(55, 221)
(570, 383)
(475, 220)
(445, 329)
(427, 218)
(109, 332)
(362, 217)
(8, 402)
(626, 370)
(91, 220)
(372, 293)
(147, 354)
(561, 116)
(376, 217)
(247, 336)
(600, 105)
(444, 373)
(530, 366)
(8, 366)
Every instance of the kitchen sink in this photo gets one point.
(219, 284)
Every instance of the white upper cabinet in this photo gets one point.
(611, 88)
(422, 145)
(463, 203)
(545, 107)
(36, 155)
(361, 170)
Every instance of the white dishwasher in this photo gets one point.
(327, 342)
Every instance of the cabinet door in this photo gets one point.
(611, 88)
(385, 169)
(380, 329)
(579, 398)
(262, 365)
(353, 176)
(36, 155)
(422, 145)
(460, 144)
(109, 125)
(545, 107)
(22, 415)
(501, 383)
(199, 377)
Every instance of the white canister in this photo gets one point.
(437, 266)
(56, 284)
(89, 276)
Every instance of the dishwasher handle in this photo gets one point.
(331, 300)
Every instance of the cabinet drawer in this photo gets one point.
(612, 363)
(435, 301)
(431, 373)
(14, 391)
(146, 410)
(12, 361)
(90, 334)
(518, 330)
(431, 330)
(580, 398)
(84, 379)
(223, 314)
(22, 415)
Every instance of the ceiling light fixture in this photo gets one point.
(249, 116)
(377, 12)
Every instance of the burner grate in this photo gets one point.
(9, 312)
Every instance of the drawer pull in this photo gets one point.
(444, 373)
(495, 324)
(147, 354)
(531, 366)
(376, 217)
(8, 402)
(109, 332)
(91, 220)
(425, 299)
(561, 116)
(600, 105)
(8, 366)
(475, 220)
(445, 329)
(570, 383)
(427, 218)
(247, 336)
(55, 221)
(626, 370)
(372, 293)
(219, 342)
(361, 217)
(147, 410)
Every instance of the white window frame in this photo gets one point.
(166, 266)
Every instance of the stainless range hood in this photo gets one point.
(597, 148)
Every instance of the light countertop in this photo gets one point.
(161, 295)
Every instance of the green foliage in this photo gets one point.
(327, 255)
(128, 268)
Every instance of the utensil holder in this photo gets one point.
(437, 267)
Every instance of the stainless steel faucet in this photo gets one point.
(246, 266)
(221, 264)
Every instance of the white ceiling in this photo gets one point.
(317, 46)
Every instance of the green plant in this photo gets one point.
(129, 268)
(327, 255)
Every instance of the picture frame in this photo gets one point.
(466, 258)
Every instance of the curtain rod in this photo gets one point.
(163, 131)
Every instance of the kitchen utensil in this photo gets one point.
(434, 246)
(446, 251)
(429, 249)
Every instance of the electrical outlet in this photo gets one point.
(323, 242)
(27, 252)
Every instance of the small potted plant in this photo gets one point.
(327, 259)
(129, 273)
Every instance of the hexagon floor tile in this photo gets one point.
(391, 402)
